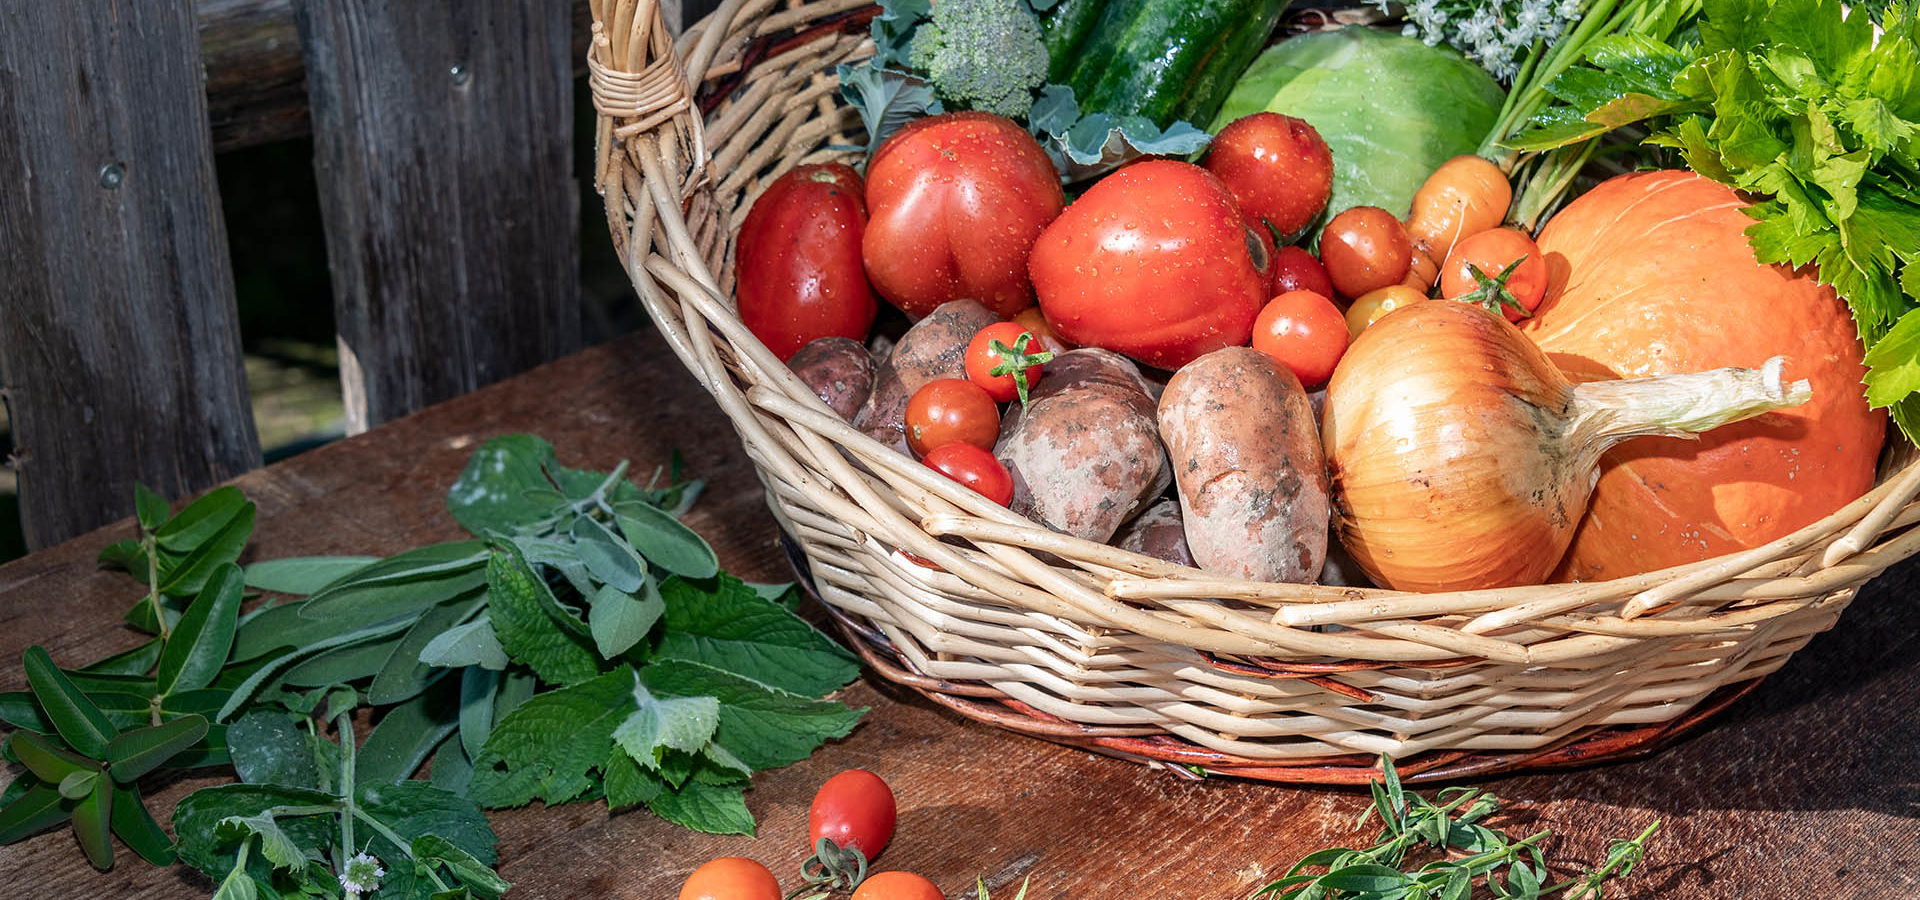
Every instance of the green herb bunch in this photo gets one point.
(584, 645)
(1460, 853)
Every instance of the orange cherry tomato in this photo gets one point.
(897, 886)
(1365, 249)
(948, 411)
(1303, 331)
(731, 878)
(976, 468)
(1374, 304)
(1000, 345)
(1043, 334)
(1494, 253)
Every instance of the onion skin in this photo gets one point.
(1463, 459)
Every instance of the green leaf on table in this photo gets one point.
(490, 494)
(128, 555)
(18, 710)
(419, 564)
(531, 625)
(731, 627)
(135, 753)
(548, 746)
(559, 555)
(206, 556)
(77, 785)
(268, 670)
(659, 724)
(38, 808)
(199, 646)
(479, 877)
(276, 845)
(452, 767)
(404, 675)
(620, 619)
(479, 691)
(268, 748)
(93, 824)
(607, 557)
(203, 845)
(200, 521)
(46, 759)
(149, 507)
(471, 644)
(136, 661)
(714, 809)
(303, 575)
(626, 783)
(665, 541)
(137, 829)
(238, 885)
(404, 737)
(79, 722)
(341, 665)
(415, 809)
(763, 727)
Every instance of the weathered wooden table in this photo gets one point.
(1806, 787)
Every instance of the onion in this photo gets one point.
(1463, 459)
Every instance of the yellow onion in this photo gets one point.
(1463, 459)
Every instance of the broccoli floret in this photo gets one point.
(982, 54)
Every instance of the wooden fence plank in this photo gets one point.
(443, 135)
(119, 344)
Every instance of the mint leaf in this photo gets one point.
(627, 784)
(280, 849)
(529, 622)
(204, 846)
(489, 496)
(659, 724)
(764, 728)
(479, 877)
(714, 809)
(269, 749)
(547, 747)
(416, 809)
(732, 627)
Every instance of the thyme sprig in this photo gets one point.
(1460, 855)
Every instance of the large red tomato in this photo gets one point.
(1154, 261)
(957, 202)
(798, 260)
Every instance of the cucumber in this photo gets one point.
(1063, 29)
(1166, 60)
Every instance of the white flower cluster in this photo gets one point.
(362, 875)
(1493, 33)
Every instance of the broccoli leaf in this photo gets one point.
(1083, 148)
(886, 99)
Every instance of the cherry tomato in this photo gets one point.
(1043, 333)
(1294, 269)
(730, 878)
(854, 810)
(1493, 252)
(897, 886)
(798, 260)
(1154, 261)
(1374, 304)
(1278, 168)
(1365, 248)
(1003, 344)
(975, 468)
(951, 410)
(1303, 331)
(957, 201)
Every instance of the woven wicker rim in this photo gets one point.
(1078, 641)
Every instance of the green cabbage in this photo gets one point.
(1391, 108)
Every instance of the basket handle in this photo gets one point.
(634, 71)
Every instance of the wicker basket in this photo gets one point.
(1119, 653)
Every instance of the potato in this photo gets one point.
(935, 347)
(840, 371)
(1158, 533)
(1084, 455)
(1246, 456)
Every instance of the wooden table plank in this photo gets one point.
(1801, 789)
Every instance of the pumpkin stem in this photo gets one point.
(1604, 413)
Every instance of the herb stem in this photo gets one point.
(344, 725)
(152, 549)
(394, 837)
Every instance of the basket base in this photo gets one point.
(1181, 758)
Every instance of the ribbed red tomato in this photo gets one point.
(1154, 261)
(957, 201)
(797, 261)
(1278, 167)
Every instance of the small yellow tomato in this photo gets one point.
(1374, 304)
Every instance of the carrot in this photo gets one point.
(1465, 196)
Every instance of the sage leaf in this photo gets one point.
(350, 662)
(404, 676)
(303, 575)
(665, 541)
(39, 808)
(610, 560)
(197, 649)
(269, 749)
(245, 691)
(149, 507)
(404, 737)
(479, 688)
(80, 723)
(452, 768)
(415, 809)
(472, 644)
(619, 620)
(137, 829)
(138, 752)
(93, 822)
(358, 608)
(205, 558)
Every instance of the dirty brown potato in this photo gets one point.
(1247, 459)
(1084, 454)
(1158, 533)
(935, 347)
(840, 371)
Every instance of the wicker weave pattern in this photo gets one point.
(1085, 643)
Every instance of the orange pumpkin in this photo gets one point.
(1651, 274)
